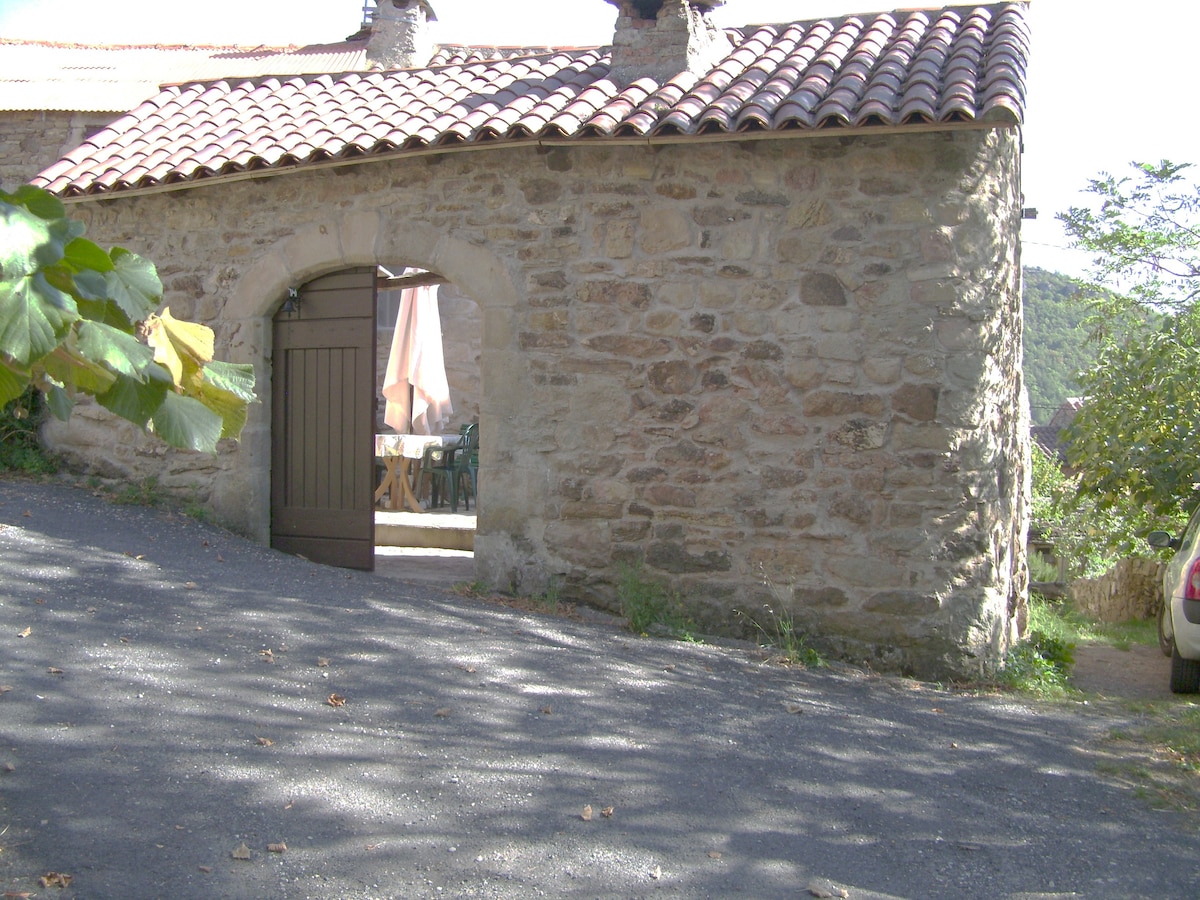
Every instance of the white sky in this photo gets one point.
(1108, 83)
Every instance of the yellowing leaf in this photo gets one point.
(54, 670)
(264, 742)
(241, 851)
(586, 815)
(55, 879)
(336, 700)
(322, 662)
(187, 339)
(607, 812)
(281, 847)
(26, 633)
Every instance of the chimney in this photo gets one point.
(400, 37)
(659, 39)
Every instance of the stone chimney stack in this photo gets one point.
(400, 35)
(659, 39)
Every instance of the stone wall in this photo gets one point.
(761, 369)
(1132, 589)
(31, 140)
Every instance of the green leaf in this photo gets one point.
(133, 400)
(90, 285)
(236, 378)
(133, 284)
(12, 384)
(120, 352)
(38, 201)
(34, 318)
(73, 371)
(187, 423)
(230, 407)
(84, 254)
(59, 403)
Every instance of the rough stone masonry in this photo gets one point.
(779, 371)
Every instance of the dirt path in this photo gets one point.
(1139, 673)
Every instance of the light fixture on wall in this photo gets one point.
(292, 303)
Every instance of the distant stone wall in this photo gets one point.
(31, 140)
(781, 371)
(1132, 589)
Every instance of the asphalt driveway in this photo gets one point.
(171, 694)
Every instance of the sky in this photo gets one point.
(1106, 83)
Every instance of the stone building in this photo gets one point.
(748, 302)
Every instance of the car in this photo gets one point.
(1179, 615)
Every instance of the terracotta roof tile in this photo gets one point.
(957, 65)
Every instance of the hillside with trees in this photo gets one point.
(1056, 341)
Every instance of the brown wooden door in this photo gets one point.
(323, 422)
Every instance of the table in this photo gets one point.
(398, 452)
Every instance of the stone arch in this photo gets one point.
(359, 239)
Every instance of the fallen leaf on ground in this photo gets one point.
(793, 708)
(40, 601)
(124, 640)
(607, 812)
(277, 848)
(264, 742)
(547, 710)
(336, 700)
(54, 670)
(5, 688)
(190, 585)
(18, 895)
(55, 879)
(8, 767)
(205, 869)
(27, 514)
(714, 854)
(241, 851)
(26, 633)
(267, 655)
(442, 713)
(220, 558)
(322, 662)
(465, 668)
(656, 873)
(586, 815)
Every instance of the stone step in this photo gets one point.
(438, 528)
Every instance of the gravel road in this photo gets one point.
(171, 694)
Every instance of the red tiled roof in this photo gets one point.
(956, 66)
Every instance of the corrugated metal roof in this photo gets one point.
(945, 68)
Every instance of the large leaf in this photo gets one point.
(133, 400)
(38, 201)
(28, 242)
(76, 372)
(122, 353)
(133, 284)
(12, 384)
(59, 403)
(236, 378)
(230, 407)
(34, 317)
(83, 254)
(187, 423)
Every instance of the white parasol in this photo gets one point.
(416, 361)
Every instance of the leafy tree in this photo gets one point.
(1133, 442)
(76, 319)
(1056, 341)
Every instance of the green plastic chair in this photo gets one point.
(461, 462)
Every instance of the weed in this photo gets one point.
(20, 449)
(548, 600)
(649, 605)
(1039, 665)
(146, 492)
(778, 631)
(194, 507)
